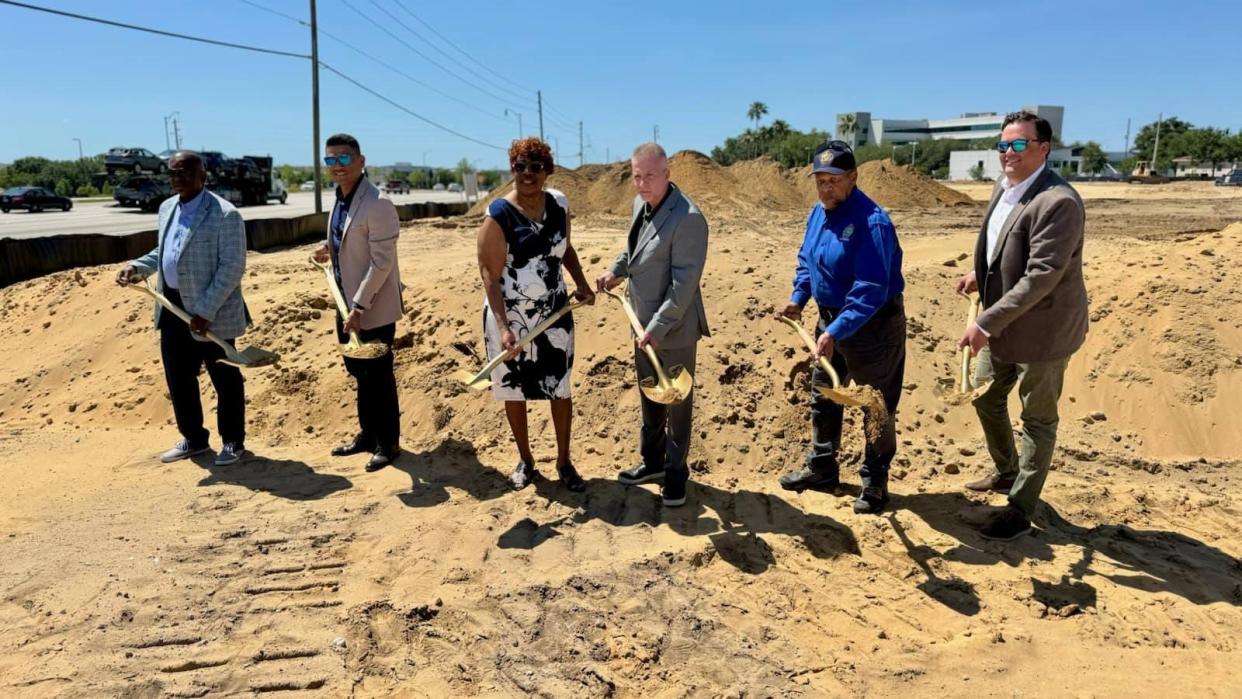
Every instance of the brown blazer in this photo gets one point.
(368, 256)
(1033, 295)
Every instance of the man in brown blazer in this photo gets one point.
(362, 244)
(1028, 272)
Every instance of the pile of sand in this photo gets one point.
(761, 183)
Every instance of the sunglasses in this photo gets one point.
(535, 167)
(344, 159)
(1018, 144)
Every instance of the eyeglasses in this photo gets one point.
(344, 159)
(535, 167)
(1018, 144)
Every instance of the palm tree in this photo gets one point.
(756, 112)
(847, 126)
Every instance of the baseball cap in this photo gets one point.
(833, 157)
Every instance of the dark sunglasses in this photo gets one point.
(535, 167)
(1018, 144)
(344, 159)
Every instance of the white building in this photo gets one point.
(859, 128)
(1188, 166)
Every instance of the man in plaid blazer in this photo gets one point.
(200, 257)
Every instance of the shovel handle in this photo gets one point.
(338, 297)
(526, 340)
(172, 308)
(639, 330)
(964, 378)
(810, 344)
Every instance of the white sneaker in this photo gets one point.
(182, 450)
(230, 454)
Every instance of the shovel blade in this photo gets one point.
(365, 350)
(839, 398)
(250, 358)
(472, 381)
(678, 388)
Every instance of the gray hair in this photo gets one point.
(649, 149)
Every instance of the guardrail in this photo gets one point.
(27, 258)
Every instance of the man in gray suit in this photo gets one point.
(663, 259)
(200, 257)
(362, 244)
(1028, 272)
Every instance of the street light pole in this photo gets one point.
(314, 37)
(521, 131)
(80, 157)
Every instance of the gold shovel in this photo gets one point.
(249, 358)
(355, 348)
(833, 394)
(966, 390)
(663, 390)
(483, 379)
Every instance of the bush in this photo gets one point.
(87, 190)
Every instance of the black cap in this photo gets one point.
(833, 157)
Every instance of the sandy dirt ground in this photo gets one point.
(299, 573)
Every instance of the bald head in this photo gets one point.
(188, 173)
(649, 165)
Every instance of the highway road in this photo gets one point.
(108, 218)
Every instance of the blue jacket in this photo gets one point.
(850, 261)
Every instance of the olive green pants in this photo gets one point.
(1039, 388)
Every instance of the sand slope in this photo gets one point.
(300, 572)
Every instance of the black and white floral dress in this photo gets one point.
(533, 288)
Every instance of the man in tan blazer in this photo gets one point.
(1028, 272)
(362, 244)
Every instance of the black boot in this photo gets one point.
(810, 479)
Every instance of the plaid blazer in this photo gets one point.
(210, 268)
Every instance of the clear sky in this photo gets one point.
(620, 67)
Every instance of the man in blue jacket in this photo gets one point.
(850, 263)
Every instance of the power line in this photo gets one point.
(463, 52)
(427, 58)
(375, 59)
(187, 37)
(412, 113)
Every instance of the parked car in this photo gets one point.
(1233, 178)
(278, 191)
(307, 186)
(438, 187)
(133, 160)
(454, 187)
(32, 199)
(143, 191)
(397, 187)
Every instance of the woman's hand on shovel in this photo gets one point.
(508, 340)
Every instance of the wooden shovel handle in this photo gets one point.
(810, 344)
(639, 330)
(963, 384)
(338, 297)
(172, 308)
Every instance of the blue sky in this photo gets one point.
(620, 67)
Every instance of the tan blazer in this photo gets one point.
(368, 256)
(1034, 298)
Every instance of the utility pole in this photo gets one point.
(1156, 151)
(521, 131)
(539, 94)
(914, 148)
(1126, 152)
(655, 133)
(579, 144)
(176, 132)
(314, 32)
(167, 145)
(79, 148)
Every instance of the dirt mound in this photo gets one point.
(893, 186)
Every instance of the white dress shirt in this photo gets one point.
(1010, 196)
(182, 217)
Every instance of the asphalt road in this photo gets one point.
(108, 218)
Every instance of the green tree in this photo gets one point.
(756, 112)
(1205, 145)
(1145, 141)
(1093, 158)
(847, 126)
(976, 172)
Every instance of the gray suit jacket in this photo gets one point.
(210, 268)
(664, 262)
(368, 257)
(1033, 294)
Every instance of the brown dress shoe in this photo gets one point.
(996, 483)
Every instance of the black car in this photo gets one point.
(142, 191)
(32, 199)
(133, 160)
(1233, 178)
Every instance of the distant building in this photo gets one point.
(1188, 166)
(964, 164)
(858, 128)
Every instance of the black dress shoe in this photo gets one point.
(360, 444)
(382, 457)
(1006, 525)
(641, 473)
(810, 479)
(569, 476)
